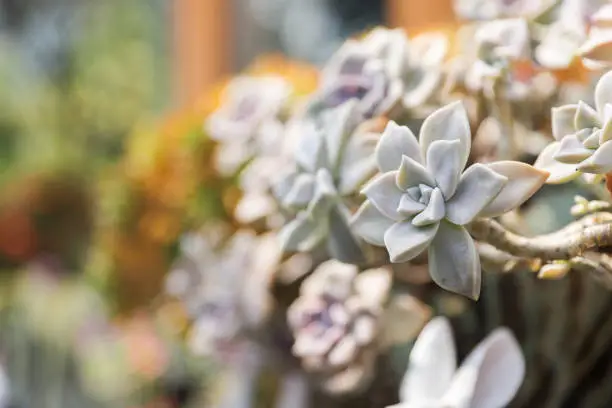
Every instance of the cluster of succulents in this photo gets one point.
(404, 156)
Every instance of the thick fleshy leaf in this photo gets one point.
(412, 174)
(371, 224)
(408, 206)
(253, 207)
(598, 50)
(339, 123)
(586, 117)
(559, 172)
(523, 181)
(395, 142)
(375, 82)
(385, 195)
(557, 49)
(600, 162)
(420, 86)
(606, 131)
(324, 197)
(373, 285)
(592, 141)
(301, 193)
(311, 151)
(447, 123)
(583, 134)
(283, 184)
(434, 211)
(571, 150)
(391, 46)
(432, 364)
(358, 162)
(429, 49)
(341, 243)
(478, 186)
(603, 92)
(444, 163)
(302, 234)
(491, 374)
(506, 39)
(404, 241)
(454, 263)
(563, 121)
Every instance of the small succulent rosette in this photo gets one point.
(489, 377)
(248, 120)
(338, 322)
(225, 289)
(423, 198)
(331, 162)
(499, 44)
(596, 52)
(583, 137)
(382, 71)
(256, 181)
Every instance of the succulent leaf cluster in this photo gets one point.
(384, 72)
(583, 137)
(425, 196)
(490, 375)
(383, 166)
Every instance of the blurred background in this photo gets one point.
(103, 164)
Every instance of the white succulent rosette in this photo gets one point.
(336, 321)
(596, 52)
(489, 377)
(561, 33)
(257, 179)
(225, 289)
(583, 137)
(382, 71)
(423, 197)
(332, 160)
(498, 43)
(247, 122)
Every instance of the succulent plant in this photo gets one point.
(341, 321)
(489, 376)
(583, 137)
(247, 122)
(205, 278)
(423, 198)
(382, 71)
(596, 52)
(332, 160)
(498, 44)
(336, 321)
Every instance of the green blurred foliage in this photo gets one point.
(77, 115)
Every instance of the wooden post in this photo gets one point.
(417, 16)
(201, 46)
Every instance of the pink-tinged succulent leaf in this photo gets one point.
(523, 182)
